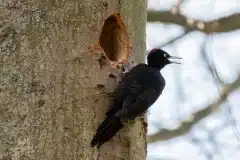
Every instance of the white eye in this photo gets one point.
(165, 55)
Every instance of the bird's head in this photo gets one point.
(158, 58)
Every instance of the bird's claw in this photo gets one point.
(131, 121)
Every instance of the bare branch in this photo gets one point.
(210, 66)
(185, 126)
(224, 24)
(174, 39)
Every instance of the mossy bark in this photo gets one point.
(53, 92)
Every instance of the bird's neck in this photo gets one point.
(155, 67)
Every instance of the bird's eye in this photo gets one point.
(165, 55)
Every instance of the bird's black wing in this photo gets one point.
(143, 86)
(132, 109)
(127, 89)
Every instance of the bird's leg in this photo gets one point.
(124, 118)
(131, 121)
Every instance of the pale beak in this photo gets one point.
(174, 57)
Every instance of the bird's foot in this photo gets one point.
(131, 121)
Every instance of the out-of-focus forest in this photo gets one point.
(198, 114)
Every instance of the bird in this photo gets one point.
(136, 92)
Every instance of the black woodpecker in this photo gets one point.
(137, 91)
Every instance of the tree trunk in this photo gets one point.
(54, 88)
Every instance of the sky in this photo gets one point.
(190, 86)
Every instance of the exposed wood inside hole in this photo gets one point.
(114, 39)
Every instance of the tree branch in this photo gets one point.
(174, 39)
(224, 24)
(186, 126)
(210, 66)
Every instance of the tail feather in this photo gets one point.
(106, 130)
(104, 124)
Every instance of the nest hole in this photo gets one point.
(114, 39)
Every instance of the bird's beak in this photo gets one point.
(174, 57)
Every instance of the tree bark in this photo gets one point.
(53, 90)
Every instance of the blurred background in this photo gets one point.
(198, 115)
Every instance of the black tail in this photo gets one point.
(106, 130)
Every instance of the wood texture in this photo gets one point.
(50, 99)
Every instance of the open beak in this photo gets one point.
(174, 57)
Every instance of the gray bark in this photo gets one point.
(50, 99)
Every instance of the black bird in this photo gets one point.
(137, 91)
